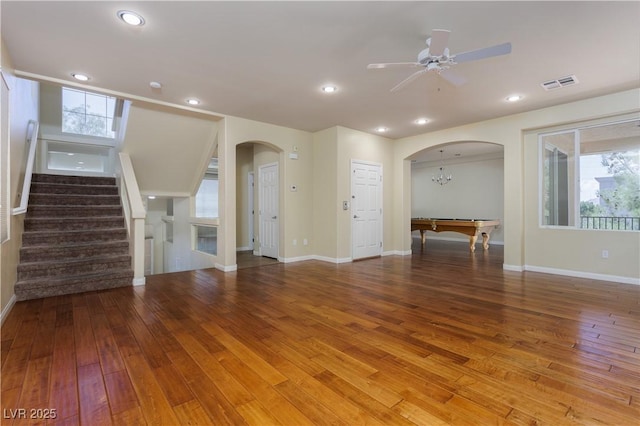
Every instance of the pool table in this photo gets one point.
(470, 227)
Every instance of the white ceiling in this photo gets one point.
(266, 61)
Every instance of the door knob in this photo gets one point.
(275, 217)
(355, 216)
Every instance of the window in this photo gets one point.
(206, 239)
(86, 113)
(207, 195)
(591, 177)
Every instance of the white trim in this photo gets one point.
(7, 309)
(397, 253)
(581, 274)
(332, 259)
(514, 268)
(223, 268)
(295, 259)
(243, 248)
(115, 93)
(380, 194)
(139, 281)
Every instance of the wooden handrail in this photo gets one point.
(32, 140)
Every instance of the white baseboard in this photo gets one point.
(139, 281)
(332, 259)
(295, 259)
(243, 248)
(229, 268)
(7, 309)
(514, 268)
(581, 274)
(397, 253)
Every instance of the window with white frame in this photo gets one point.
(206, 200)
(591, 177)
(86, 113)
(206, 239)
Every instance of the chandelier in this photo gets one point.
(442, 178)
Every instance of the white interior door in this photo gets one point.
(366, 209)
(269, 215)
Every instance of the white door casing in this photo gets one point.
(251, 210)
(269, 216)
(366, 209)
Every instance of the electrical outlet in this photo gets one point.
(605, 254)
(295, 242)
(305, 242)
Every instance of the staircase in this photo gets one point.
(74, 238)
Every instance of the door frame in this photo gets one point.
(260, 209)
(250, 209)
(380, 195)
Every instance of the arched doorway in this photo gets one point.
(474, 191)
(252, 159)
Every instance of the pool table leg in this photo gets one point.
(472, 242)
(485, 240)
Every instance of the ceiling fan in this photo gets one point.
(437, 58)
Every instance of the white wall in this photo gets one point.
(296, 210)
(356, 145)
(475, 192)
(244, 165)
(23, 105)
(169, 149)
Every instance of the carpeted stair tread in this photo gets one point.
(72, 223)
(72, 251)
(71, 267)
(46, 210)
(33, 238)
(73, 180)
(74, 199)
(55, 286)
(72, 189)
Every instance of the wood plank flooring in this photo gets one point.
(444, 336)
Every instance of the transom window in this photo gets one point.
(86, 113)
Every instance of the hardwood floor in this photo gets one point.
(444, 336)
(246, 259)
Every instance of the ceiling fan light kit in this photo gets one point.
(437, 58)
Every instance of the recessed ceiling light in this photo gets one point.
(329, 88)
(421, 121)
(381, 129)
(70, 154)
(193, 101)
(131, 18)
(151, 197)
(155, 85)
(80, 77)
(514, 98)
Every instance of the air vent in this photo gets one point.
(561, 82)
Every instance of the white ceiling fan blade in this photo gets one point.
(393, 65)
(453, 77)
(439, 42)
(408, 80)
(487, 52)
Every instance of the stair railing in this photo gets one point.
(135, 214)
(32, 142)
